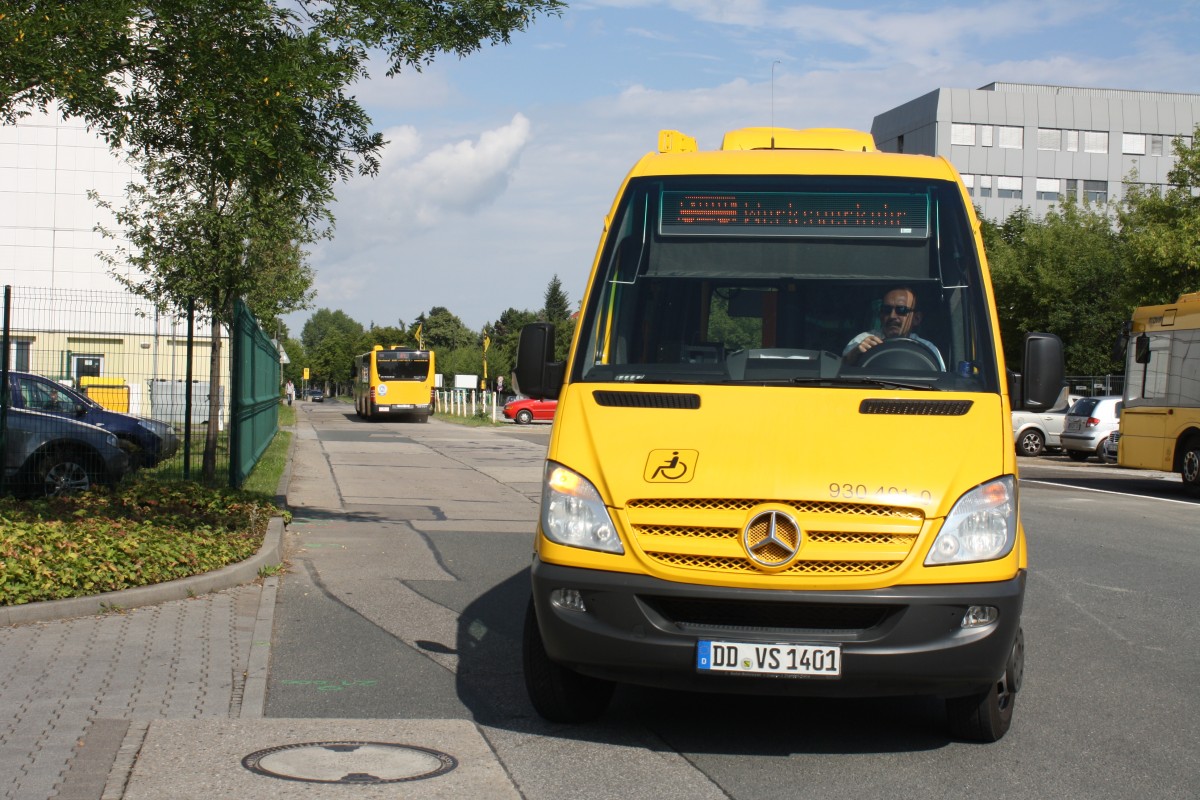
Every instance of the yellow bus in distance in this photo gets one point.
(394, 381)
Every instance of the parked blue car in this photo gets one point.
(147, 441)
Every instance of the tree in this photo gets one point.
(1062, 275)
(330, 339)
(443, 332)
(556, 309)
(387, 335)
(1161, 232)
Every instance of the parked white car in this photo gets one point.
(1034, 432)
(1088, 424)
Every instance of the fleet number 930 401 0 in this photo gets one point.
(757, 658)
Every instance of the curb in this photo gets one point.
(270, 554)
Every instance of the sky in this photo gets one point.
(500, 166)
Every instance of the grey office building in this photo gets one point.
(1031, 145)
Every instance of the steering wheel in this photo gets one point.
(901, 354)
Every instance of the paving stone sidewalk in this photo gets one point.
(75, 685)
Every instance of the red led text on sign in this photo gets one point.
(730, 210)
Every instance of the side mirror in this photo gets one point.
(1042, 378)
(1141, 349)
(536, 373)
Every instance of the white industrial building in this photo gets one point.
(1031, 145)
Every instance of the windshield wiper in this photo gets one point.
(858, 382)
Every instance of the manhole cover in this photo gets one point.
(350, 762)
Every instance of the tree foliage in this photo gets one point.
(80, 54)
(330, 339)
(556, 309)
(443, 332)
(1061, 275)
(1161, 231)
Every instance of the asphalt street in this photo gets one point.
(388, 650)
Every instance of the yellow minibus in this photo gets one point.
(782, 460)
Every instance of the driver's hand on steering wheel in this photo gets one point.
(863, 346)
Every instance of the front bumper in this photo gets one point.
(902, 640)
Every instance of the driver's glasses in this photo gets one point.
(901, 311)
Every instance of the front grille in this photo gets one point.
(838, 538)
(749, 615)
(800, 506)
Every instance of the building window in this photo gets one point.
(1072, 138)
(1095, 141)
(1010, 137)
(985, 135)
(1009, 187)
(969, 181)
(20, 355)
(1156, 144)
(1070, 188)
(1133, 144)
(900, 143)
(1048, 189)
(985, 185)
(962, 133)
(1049, 139)
(1095, 191)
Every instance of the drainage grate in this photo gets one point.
(350, 762)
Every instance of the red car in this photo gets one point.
(526, 410)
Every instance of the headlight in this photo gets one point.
(112, 440)
(154, 426)
(982, 526)
(573, 513)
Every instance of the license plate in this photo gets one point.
(1074, 425)
(384, 409)
(757, 658)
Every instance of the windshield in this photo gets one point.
(792, 280)
(394, 365)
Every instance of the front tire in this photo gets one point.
(62, 474)
(524, 416)
(986, 717)
(558, 694)
(1031, 443)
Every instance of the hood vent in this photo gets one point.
(647, 400)
(920, 408)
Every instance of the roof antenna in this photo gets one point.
(773, 63)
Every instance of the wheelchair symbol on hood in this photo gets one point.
(671, 466)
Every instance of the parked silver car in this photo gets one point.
(1037, 431)
(45, 454)
(1088, 424)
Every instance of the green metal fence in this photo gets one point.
(254, 392)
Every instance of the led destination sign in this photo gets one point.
(794, 214)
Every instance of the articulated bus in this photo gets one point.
(394, 381)
(1160, 426)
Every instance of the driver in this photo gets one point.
(898, 316)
